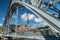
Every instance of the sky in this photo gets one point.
(3, 9)
(22, 18)
(24, 15)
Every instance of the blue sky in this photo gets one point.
(23, 21)
(3, 10)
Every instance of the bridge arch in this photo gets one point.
(16, 4)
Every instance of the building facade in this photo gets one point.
(35, 2)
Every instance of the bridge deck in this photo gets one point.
(29, 35)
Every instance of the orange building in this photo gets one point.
(24, 28)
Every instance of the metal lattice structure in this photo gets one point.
(40, 10)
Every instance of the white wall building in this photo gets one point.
(35, 2)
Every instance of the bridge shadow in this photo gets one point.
(50, 37)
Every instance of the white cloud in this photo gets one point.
(25, 16)
(3, 19)
(31, 16)
(14, 16)
(0, 24)
(45, 23)
(38, 20)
